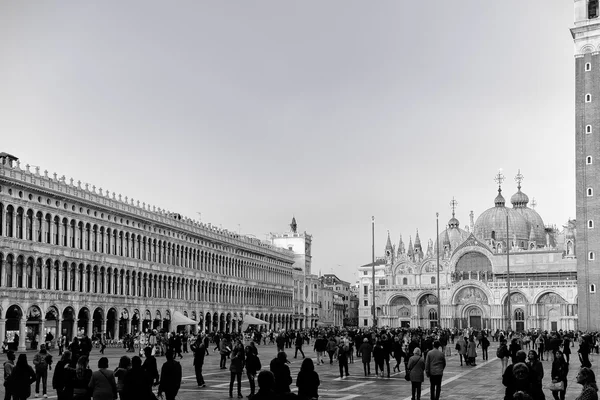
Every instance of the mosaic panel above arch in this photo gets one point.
(428, 299)
(400, 301)
(551, 298)
(471, 294)
(431, 267)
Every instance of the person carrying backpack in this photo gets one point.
(8, 368)
(42, 361)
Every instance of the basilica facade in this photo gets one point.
(77, 260)
(478, 265)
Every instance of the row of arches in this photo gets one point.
(27, 272)
(22, 324)
(37, 226)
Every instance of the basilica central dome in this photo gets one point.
(491, 224)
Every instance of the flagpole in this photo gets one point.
(374, 310)
(437, 236)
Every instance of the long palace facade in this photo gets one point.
(77, 260)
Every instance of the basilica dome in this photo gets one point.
(452, 236)
(519, 201)
(491, 224)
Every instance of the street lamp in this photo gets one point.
(437, 238)
(373, 309)
(499, 179)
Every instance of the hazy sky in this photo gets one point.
(252, 112)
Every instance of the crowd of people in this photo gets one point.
(422, 353)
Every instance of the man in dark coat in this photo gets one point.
(283, 377)
(199, 353)
(170, 377)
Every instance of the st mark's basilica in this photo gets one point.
(473, 273)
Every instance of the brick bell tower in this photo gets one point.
(586, 35)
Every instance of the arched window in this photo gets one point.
(519, 315)
(590, 191)
(588, 129)
(405, 281)
(433, 280)
(588, 98)
(591, 256)
(433, 314)
(588, 66)
(592, 288)
(590, 224)
(588, 160)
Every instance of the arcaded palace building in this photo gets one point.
(473, 279)
(586, 35)
(76, 260)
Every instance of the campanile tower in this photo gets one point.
(586, 35)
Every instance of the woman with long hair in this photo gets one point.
(536, 373)
(120, 372)
(560, 369)
(587, 379)
(58, 379)
(21, 378)
(81, 379)
(308, 381)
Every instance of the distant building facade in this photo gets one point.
(75, 260)
(473, 274)
(305, 308)
(586, 35)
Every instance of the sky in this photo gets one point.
(244, 114)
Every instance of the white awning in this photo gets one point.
(250, 320)
(179, 319)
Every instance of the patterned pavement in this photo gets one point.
(482, 382)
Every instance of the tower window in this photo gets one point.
(588, 160)
(432, 280)
(588, 98)
(588, 66)
(592, 288)
(591, 256)
(590, 192)
(592, 9)
(588, 129)
(590, 223)
(404, 281)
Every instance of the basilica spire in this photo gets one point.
(400, 246)
(499, 178)
(411, 251)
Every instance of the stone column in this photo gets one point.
(3, 276)
(90, 327)
(60, 278)
(76, 288)
(103, 326)
(2, 329)
(42, 332)
(14, 273)
(22, 330)
(128, 325)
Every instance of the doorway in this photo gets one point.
(475, 322)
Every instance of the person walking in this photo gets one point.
(170, 377)
(331, 348)
(199, 352)
(21, 378)
(584, 352)
(343, 351)
(252, 367)
(103, 383)
(120, 372)
(587, 379)
(236, 367)
(224, 351)
(9, 365)
(567, 348)
(435, 363)
(503, 354)
(320, 347)
(365, 350)
(536, 372)
(560, 370)
(378, 357)
(41, 362)
(308, 381)
(299, 341)
(415, 372)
